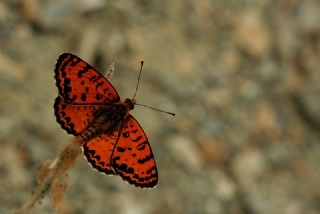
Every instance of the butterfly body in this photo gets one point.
(89, 108)
(107, 119)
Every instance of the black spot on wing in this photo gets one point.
(84, 70)
(99, 85)
(137, 139)
(75, 61)
(121, 149)
(125, 134)
(83, 97)
(142, 145)
(94, 78)
(98, 96)
(143, 160)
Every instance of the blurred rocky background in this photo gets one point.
(242, 76)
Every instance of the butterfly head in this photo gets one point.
(130, 103)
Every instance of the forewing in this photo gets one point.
(98, 152)
(73, 118)
(132, 157)
(78, 82)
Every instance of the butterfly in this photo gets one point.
(89, 107)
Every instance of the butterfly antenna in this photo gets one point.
(173, 114)
(135, 93)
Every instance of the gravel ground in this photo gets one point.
(242, 76)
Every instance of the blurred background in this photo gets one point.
(242, 76)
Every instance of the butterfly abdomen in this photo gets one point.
(106, 121)
(89, 133)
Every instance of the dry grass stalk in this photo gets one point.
(52, 177)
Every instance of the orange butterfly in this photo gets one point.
(89, 107)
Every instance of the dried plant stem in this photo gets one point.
(54, 173)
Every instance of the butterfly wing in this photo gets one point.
(73, 118)
(132, 157)
(80, 83)
(98, 152)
